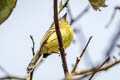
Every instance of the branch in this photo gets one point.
(64, 5)
(58, 33)
(11, 77)
(8, 76)
(79, 58)
(79, 16)
(31, 74)
(84, 76)
(104, 68)
(3, 70)
(113, 41)
(33, 48)
(112, 17)
(96, 70)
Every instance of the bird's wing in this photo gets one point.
(47, 35)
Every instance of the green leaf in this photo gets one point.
(60, 6)
(6, 7)
(96, 4)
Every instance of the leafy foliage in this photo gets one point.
(6, 7)
(96, 4)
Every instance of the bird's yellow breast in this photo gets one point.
(52, 44)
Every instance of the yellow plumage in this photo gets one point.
(49, 42)
(52, 41)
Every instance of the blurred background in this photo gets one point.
(34, 17)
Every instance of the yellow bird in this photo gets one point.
(49, 42)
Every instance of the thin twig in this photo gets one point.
(11, 77)
(33, 64)
(31, 74)
(8, 76)
(33, 48)
(79, 58)
(84, 76)
(113, 42)
(82, 41)
(3, 70)
(79, 16)
(99, 68)
(112, 17)
(87, 72)
(64, 5)
(70, 13)
(104, 68)
(61, 48)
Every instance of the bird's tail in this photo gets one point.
(34, 61)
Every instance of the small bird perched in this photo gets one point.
(49, 42)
